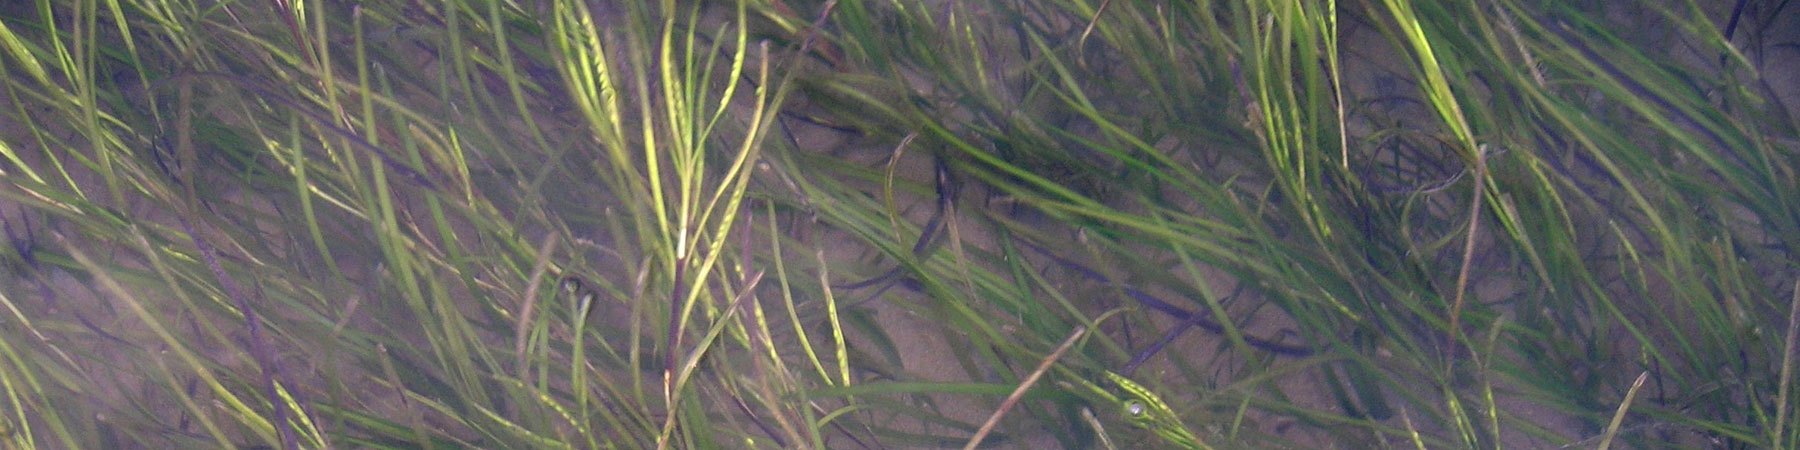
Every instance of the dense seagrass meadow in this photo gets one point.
(899, 224)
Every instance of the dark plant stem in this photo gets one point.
(1171, 310)
(259, 348)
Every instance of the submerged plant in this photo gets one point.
(851, 224)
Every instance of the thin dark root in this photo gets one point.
(947, 188)
(1152, 302)
(22, 244)
(1168, 337)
